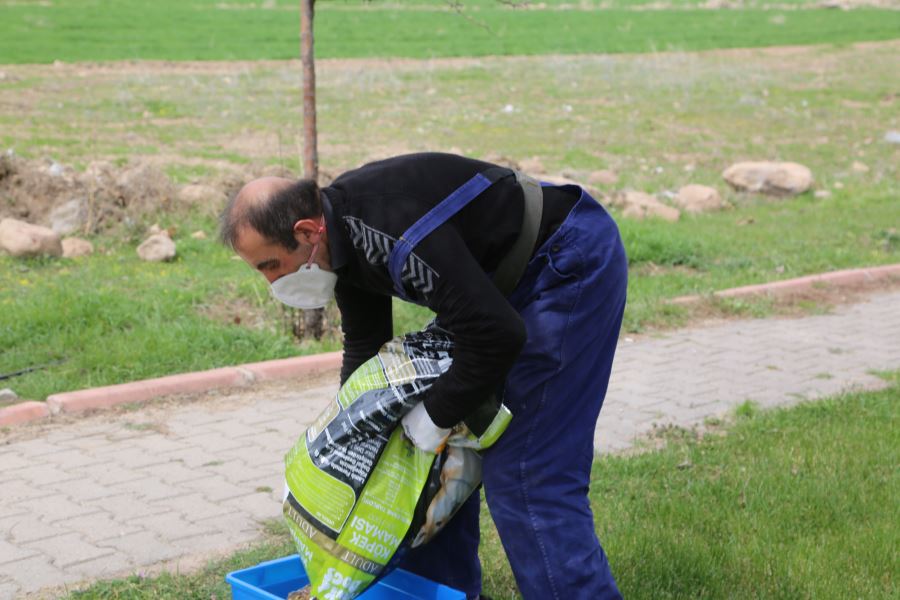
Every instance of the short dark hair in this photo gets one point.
(273, 217)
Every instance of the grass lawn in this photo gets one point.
(785, 504)
(660, 121)
(80, 30)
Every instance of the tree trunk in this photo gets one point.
(310, 147)
(309, 323)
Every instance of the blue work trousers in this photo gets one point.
(536, 477)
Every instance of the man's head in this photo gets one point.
(273, 224)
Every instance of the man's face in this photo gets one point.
(270, 258)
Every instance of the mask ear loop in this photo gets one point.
(315, 249)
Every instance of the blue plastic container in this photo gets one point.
(275, 579)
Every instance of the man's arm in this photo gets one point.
(488, 333)
(366, 323)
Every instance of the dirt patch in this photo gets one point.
(103, 194)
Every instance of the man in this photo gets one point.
(531, 283)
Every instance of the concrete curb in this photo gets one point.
(846, 277)
(183, 383)
(23, 412)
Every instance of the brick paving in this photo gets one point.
(174, 483)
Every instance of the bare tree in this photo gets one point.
(307, 59)
(308, 323)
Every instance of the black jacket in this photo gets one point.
(368, 208)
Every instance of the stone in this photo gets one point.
(859, 167)
(199, 235)
(603, 177)
(8, 396)
(822, 194)
(892, 137)
(201, 195)
(155, 229)
(772, 178)
(75, 247)
(640, 205)
(20, 239)
(159, 247)
(69, 216)
(694, 198)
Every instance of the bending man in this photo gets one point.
(529, 280)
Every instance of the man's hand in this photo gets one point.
(422, 431)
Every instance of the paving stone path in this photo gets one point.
(174, 483)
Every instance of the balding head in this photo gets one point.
(271, 206)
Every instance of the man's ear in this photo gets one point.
(307, 231)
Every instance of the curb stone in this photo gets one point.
(23, 412)
(787, 286)
(141, 391)
(286, 368)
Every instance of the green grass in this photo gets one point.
(792, 503)
(93, 30)
(115, 318)
(661, 121)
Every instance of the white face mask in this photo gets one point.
(308, 287)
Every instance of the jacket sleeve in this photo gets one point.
(487, 331)
(366, 323)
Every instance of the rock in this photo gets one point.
(7, 396)
(532, 166)
(859, 167)
(639, 205)
(603, 177)
(199, 235)
(695, 198)
(74, 247)
(822, 194)
(69, 216)
(773, 178)
(155, 229)
(201, 195)
(891, 137)
(19, 238)
(158, 247)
